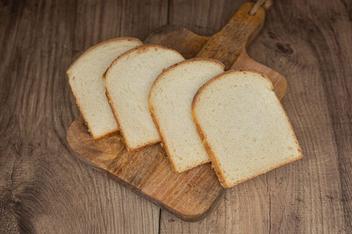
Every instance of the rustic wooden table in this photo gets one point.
(45, 189)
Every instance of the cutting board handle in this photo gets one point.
(227, 44)
(244, 62)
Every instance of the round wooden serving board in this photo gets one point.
(189, 195)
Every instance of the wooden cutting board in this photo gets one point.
(189, 195)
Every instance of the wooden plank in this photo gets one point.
(336, 78)
(309, 196)
(43, 188)
(203, 17)
(308, 42)
(318, 204)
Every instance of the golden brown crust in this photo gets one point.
(138, 49)
(117, 120)
(69, 76)
(108, 134)
(128, 147)
(87, 51)
(164, 142)
(213, 158)
(267, 170)
(167, 70)
(155, 118)
(223, 76)
(214, 161)
(96, 137)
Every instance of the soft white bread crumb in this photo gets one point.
(85, 79)
(244, 127)
(170, 103)
(128, 82)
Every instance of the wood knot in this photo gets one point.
(284, 48)
(272, 35)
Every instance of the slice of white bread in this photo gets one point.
(244, 127)
(85, 78)
(128, 81)
(170, 103)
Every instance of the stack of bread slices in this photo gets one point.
(200, 113)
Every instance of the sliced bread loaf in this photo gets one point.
(170, 103)
(128, 81)
(244, 127)
(85, 79)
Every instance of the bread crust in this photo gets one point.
(162, 74)
(160, 77)
(212, 155)
(138, 49)
(87, 51)
(69, 76)
(164, 145)
(95, 137)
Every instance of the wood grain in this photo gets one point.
(189, 195)
(43, 189)
(229, 45)
(310, 196)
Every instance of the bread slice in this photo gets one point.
(85, 79)
(128, 81)
(170, 103)
(244, 127)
